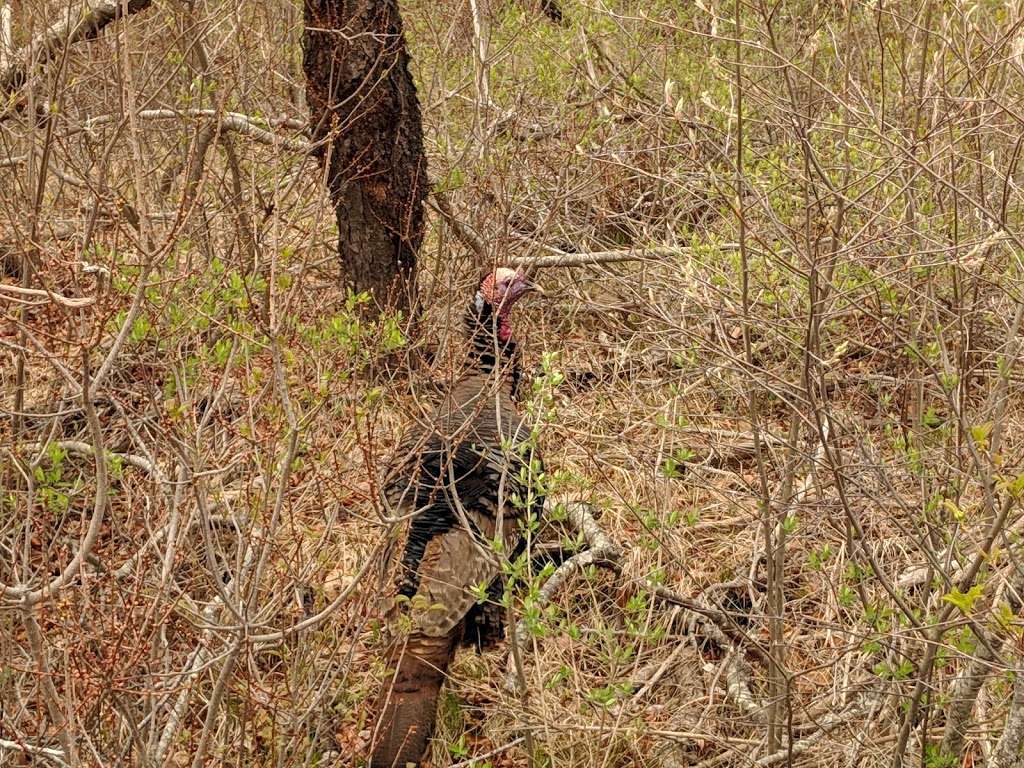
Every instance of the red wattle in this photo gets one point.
(504, 329)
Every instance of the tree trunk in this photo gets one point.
(363, 107)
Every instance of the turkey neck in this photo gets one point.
(491, 333)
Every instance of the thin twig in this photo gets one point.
(57, 37)
(488, 755)
(28, 597)
(601, 550)
(464, 232)
(862, 706)
(225, 121)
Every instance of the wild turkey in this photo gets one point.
(460, 481)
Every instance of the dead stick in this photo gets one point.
(49, 44)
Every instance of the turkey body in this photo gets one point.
(462, 478)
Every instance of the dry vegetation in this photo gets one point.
(810, 438)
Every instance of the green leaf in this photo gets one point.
(480, 592)
(1016, 485)
(932, 419)
(964, 601)
(980, 433)
(1005, 616)
(950, 506)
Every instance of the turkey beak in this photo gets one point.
(531, 287)
(525, 285)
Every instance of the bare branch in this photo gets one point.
(67, 301)
(558, 258)
(862, 706)
(225, 121)
(63, 33)
(601, 550)
(25, 595)
(463, 231)
(9, 162)
(6, 39)
(56, 755)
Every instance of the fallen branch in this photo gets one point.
(226, 121)
(922, 574)
(487, 755)
(739, 686)
(978, 669)
(601, 551)
(49, 44)
(557, 258)
(85, 449)
(647, 679)
(66, 301)
(713, 623)
(57, 755)
(828, 724)
(735, 672)
(1007, 751)
(9, 162)
(919, 574)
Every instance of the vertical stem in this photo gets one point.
(50, 696)
(775, 687)
(524, 691)
(483, 89)
(6, 38)
(245, 231)
(219, 688)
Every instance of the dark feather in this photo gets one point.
(447, 478)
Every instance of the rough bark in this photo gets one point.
(366, 116)
(1007, 753)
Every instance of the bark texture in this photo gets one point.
(1007, 753)
(364, 111)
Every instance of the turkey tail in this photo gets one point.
(408, 706)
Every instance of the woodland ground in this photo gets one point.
(817, 433)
